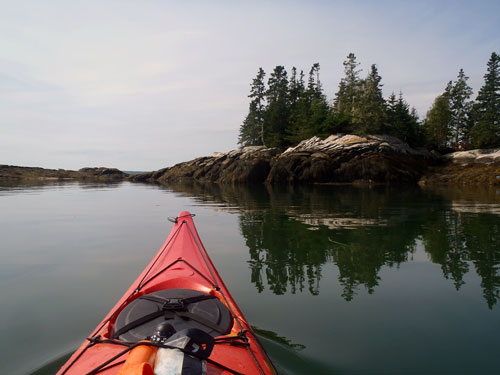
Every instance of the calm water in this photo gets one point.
(337, 280)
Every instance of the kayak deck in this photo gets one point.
(182, 263)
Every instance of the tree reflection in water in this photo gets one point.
(458, 240)
(291, 233)
(289, 243)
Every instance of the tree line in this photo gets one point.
(288, 109)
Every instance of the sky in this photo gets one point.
(145, 84)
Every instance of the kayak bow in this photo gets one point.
(178, 314)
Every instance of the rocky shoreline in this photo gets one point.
(474, 167)
(12, 173)
(338, 159)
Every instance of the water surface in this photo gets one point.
(336, 280)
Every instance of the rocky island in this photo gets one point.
(340, 158)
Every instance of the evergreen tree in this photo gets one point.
(252, 129)
(436, 123)
(419, 134)
(460, 107)
(276, 119)
(294, 88)
(308, 116)
(314, 84)
(300, 108)
(319, 116)
(392, 103)
(369, 113)
(447, 90)
(486, 111)
(401, 121)
(349, 87)
(318, 105)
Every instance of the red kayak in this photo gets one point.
(178, 318)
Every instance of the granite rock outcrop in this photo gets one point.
(339, 158)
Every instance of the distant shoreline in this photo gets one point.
(13, 173)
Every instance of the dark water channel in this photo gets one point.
(336, 279)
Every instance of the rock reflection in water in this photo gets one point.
(360, 230)
(338, 222)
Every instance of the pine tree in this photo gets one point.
(486, 111)
(252, 129)
(276, 119)
(369, 113)
(460, 107)
(436, 123)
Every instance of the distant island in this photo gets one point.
(10, 173)
(292, 135)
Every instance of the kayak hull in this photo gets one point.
(181, 263)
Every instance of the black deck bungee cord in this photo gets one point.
(190, 265)
(104, 366)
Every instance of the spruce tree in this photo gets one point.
(349, 87)
(293, 88)
(318, 105)
(486, 111)
(401, 121)
(300, 111)
(314, 87)
(369, 112)
(276, 119)
(252, 129)
(447, 90)
(319, 116)
(460, 107)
